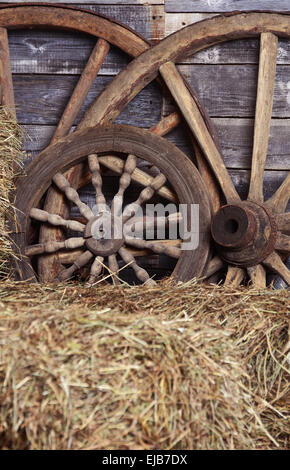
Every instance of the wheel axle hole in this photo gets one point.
(231, 226)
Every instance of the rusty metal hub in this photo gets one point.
(103, 234)
(245, 233)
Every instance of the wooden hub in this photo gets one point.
(245, 233)
(103, 235)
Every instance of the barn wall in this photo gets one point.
(46, 66)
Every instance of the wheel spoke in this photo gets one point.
(97, 181)
(116, 164)
(234, 276)
(139, 224)
(139, 252)
(52, 247)
(258, 276)
(275, 263)
(163, 127)
(282, 243)
(215, 265)
(124, 183)
(69, 257)
(194, 118)
(157, 246)
(264, 105)
(207, 176)
(283, 222)
(62, 183)
(114, 268)
(96, 269)
(166, 124)
(57, 220)
(141, 273)
(82, 88)
(81, 261)
(278, 202)
(7, 92)
(144, 196)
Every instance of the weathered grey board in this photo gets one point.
(244, 51)
(225, 5)
(216, 86)
(52, 92)
(103, 2)
(230, 90)
(58, 52)
(62, 52)
(272, 181)
(236, 137)
(146, 19)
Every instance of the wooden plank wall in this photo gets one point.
(46, 66)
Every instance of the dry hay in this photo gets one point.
(10, 163)
(184, 367)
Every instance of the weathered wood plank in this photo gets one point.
(48, 51)
(176, 21)
(217, 87)
(236, 140)
(236, 137)
(146, 19)
(58, 52)
(272, 181)
(86, 3)
(51, 94)
(244, 51)
(224, 5)
(65, 53)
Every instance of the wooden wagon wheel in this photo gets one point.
(252, 235)
(119, 146)
(108, 32)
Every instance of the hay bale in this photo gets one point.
(186, 367)
(11, 136)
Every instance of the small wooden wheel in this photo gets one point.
(118, 149)
(255, 234)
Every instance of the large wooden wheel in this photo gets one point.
(108, 234)
(251, 236)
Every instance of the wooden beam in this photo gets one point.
(7, 92)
